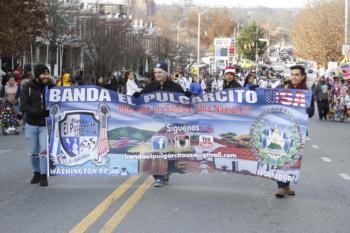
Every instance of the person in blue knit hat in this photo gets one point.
(162, 82)
(33, 105)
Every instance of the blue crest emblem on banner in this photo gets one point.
(79, 134)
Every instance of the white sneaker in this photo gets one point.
(158, 183)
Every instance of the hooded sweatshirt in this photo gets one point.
(321, 91)
(65, 81)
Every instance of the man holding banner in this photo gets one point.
(162, 83)
(298, 81)
(33, 105)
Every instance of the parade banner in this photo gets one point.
(94, 131)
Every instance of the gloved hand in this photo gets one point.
(45, 113)
(188, 93)
(253, 87)
(310, 111)
(136, 94)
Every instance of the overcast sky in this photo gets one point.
(242, 3)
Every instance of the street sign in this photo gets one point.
(232, 50)
(332, 65)
(263, 40)
(221, 52)
(224, 42)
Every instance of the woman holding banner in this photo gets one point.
(297, 81)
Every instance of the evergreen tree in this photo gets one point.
(248, 39)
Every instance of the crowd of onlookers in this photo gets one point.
(332, 95)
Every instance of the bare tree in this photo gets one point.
(108, 42)
(61, 17)
(20, 21)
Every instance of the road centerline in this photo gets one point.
(96, 213)
(344, 176)
(120, 214)
(326, 159)
(5, 151)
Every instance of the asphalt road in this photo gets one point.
(191, 203)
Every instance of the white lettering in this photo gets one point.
(240, 95)
(184, 100)
(122, 98)
(221, 96)
(91, 94)
(148, 98)
(79, 94)
(67, 95)
(251, 97)
(209, 97)
(104, 96)
(162, 96)
(55, 95)
(172, 98)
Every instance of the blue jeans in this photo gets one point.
(36, 137)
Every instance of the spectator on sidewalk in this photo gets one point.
(131, 86)
(65, 81)
(321, 95)
(77, 79)
(196, 87)
(249, 82)
(10, 93)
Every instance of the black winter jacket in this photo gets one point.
(167, 86)
(33, 103)
(232, 84)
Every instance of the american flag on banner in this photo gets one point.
(285, 97)
(103, 146)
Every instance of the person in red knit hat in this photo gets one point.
(230, 80)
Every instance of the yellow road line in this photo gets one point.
(103, 206)
(118, 216)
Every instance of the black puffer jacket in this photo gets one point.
(231, 85)
(33, 103)
(167, 86)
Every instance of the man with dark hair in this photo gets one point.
(33, 105)
(162, 83)
(297, 81)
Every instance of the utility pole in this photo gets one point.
(199, 37)
(199, 34)
(256, 44)
(346, 22)
(178, 39)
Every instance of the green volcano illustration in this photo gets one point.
(124, 138)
